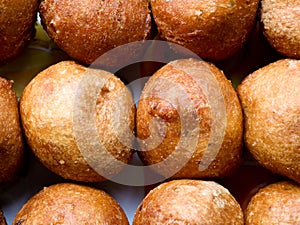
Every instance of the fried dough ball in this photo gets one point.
(78, 121)
(17, 19)
(189, 202)
(86, 29)
(189, 121)
(70, 204)
(11, 141)
(270, 100)
(214, 30)
(2, 218)
(281, 25)
(277, 203)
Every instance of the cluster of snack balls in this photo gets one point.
(264, 113)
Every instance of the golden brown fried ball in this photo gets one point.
(189, 202)
(278, 203)
(11, 143)
(189, 121)
(86, 29)
(78, 130)
(17, 19)
(270, 100)
(214, 29)
(70, 204)
(281, 25)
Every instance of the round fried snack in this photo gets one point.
(278, 203)
(189, 121)
(70, 204)
(2, 218)
(17, 19)
(281, 25)
(78, 130)
(270, 99)
(214, 30)
(86, 29)
(189, 202)
(11, 143)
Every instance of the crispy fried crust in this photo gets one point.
(278, 203)
(11, 144)
(17, 20)
(71, 204)
(86, 29)
(49, 115)
(214, 30)
(162, 105)
(281, 25)
(270, 99)
(190, 202)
